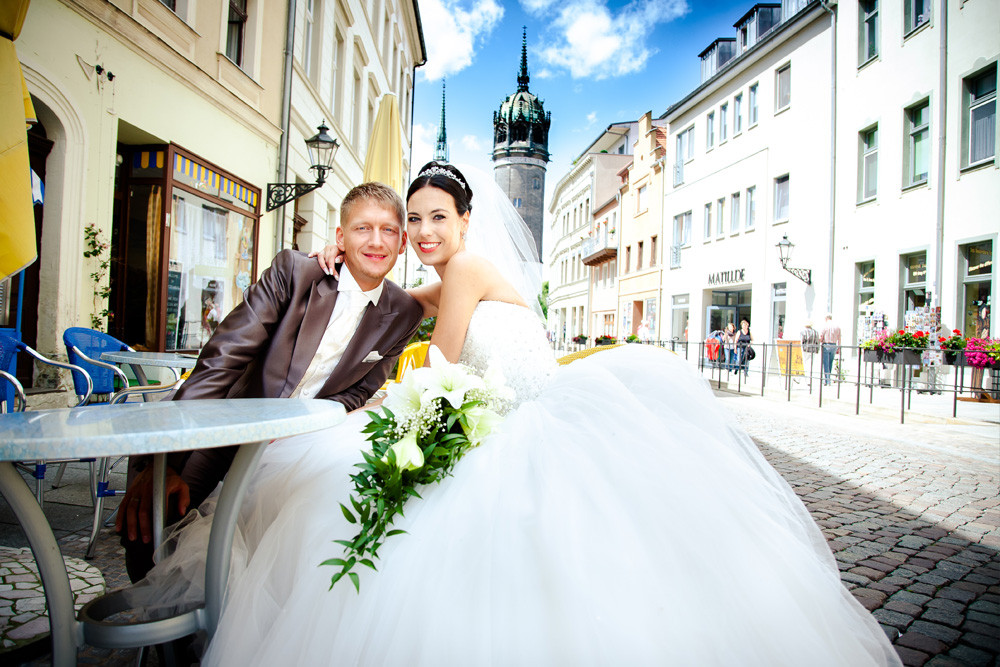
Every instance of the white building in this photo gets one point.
(750, 164)
(918, 187)
(574, 200)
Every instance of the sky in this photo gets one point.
(592, 62)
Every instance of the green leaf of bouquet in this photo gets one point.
(335, 579)
(339, 562)
(395, 531)
(347, 514)
(344, 543)
(369, 563)
(356, 580)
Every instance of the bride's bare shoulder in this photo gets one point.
(469, 263)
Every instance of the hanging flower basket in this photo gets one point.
(906, 357)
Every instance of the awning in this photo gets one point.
(17, 218)
(384, 159)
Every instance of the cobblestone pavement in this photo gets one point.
(914, 526)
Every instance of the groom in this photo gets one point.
(297, 333)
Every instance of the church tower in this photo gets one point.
(441, 148)
(521, 149)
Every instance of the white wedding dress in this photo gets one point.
(616, 517)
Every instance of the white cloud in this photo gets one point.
(424, 138)
(594, 42)
(591, 118)
(471, 143)
(452, 32)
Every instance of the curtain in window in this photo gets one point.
(153, 223)
(982, 135)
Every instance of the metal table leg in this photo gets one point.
(65, 631)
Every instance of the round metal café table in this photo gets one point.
(145, 428)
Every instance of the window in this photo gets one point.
(720, 216)
(682, 236)
(685, 151)
(235, 30)
(652, 251)
(866, 286)
(723, 122)
(734, 213)
(781, 195)
(977, 278)
(339, 66)
(752, 106)
(708, 221)
(751, 206)
(918, 145)
(710, 130)
(679, 317)
(638, 256)
(783, 88)
(640, 199)
(628, 258)
(915, 14)
(914, 283)
(738, 114)
(516, 202)
(867, 31)
(868, 174)
(779, 296)
(307, 41)
(980, 93)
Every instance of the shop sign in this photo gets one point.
(727, 277)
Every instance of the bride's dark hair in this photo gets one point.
(444, 176)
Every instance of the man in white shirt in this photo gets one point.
(830, 337)
(298, 333)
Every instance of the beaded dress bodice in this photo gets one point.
(511, 338)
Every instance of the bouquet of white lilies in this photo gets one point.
(429, 421)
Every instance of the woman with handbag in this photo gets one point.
(744, 351)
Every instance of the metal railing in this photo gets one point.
(784, 366)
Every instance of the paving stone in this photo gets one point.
(919, 642)
(893, 618)
(943, 616)
(936, 630)
(973, 657)
(986, 642)
(911, 597)
(910, 657)
(955, 593)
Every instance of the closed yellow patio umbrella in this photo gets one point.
(384, 159)
(17, 220)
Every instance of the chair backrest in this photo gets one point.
(413, 356)
(93, 344)
(8, 363)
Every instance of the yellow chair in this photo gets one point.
(413, 356)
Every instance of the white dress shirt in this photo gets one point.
(344, 320)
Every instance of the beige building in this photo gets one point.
(644, 223)
(160, 127)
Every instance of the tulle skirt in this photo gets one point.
(619, 518)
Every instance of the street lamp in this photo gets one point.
(421, 273)
(322, 148)
(785, 254)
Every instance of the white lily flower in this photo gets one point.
(408, 454)
(496, 383)
(480, 422)
(403, 398)
(449, 381)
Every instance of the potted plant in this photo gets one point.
(951, 346)
(580, 340)
(604, 340)
(983, 353)
(899, 347)
(631, 338)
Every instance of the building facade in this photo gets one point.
(580, 249)
(521, 150)
(160, 126)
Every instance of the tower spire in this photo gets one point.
(441, 149)
(522, 77)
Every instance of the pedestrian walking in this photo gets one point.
(744, 352)
(830, 338)
(729, 345)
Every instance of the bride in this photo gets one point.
(616, 516)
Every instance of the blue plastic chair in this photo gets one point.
(13, 392)
(84, 348)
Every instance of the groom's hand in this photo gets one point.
(135, 514)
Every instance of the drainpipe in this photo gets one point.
(286, 111)
(942, 114)
(833, 152)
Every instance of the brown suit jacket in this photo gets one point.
(264, 346)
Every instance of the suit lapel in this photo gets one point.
(374, 323)
(319, 308)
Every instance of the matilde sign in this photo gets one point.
(727, 277)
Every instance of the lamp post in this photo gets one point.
(421, 275)
(785, 254)
(322, 147)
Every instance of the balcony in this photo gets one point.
(600, 247)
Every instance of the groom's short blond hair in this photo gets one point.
(378, 194)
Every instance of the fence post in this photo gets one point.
(788, 372)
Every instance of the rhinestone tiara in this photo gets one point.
(438, 171)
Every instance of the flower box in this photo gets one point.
(906, 357)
